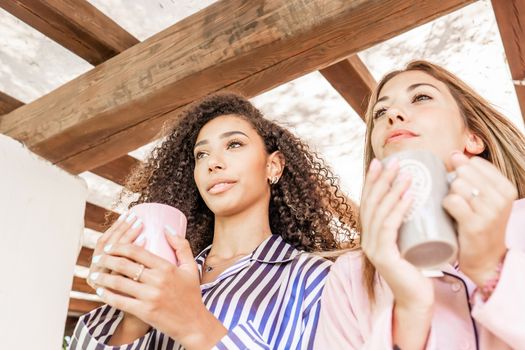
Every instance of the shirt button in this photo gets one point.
(456, 287)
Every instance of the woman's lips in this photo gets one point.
(399, 135)
(221, 187)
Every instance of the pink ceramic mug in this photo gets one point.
(154, 217)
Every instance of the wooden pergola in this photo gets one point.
(93, 121)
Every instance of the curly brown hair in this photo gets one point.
(307, 208)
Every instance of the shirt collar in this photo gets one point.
(273, 250)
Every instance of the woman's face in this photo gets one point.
(231, 166)
(416, 111)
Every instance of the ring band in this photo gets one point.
(474, 193)
(139, 273)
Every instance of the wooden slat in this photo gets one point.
(95, 217)
(8, 103)
(85, 256)
(75, 24)
(118, 169)
(71, 322)
(80, 285)
(510, 16)
(354, 82)
(122, 104)
(80, 306)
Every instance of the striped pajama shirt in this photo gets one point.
(267, 300)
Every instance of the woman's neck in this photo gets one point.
(240, 233)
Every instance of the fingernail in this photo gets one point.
(122, 216)
(451, 176)
(392, 163)
(170, 230)
(137, 224)
(140, 240)
(374, 165)
(94, 276)
(107, 248)
(100, 291)
(96, 259)
(131, 217)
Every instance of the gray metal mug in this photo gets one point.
(427, 237)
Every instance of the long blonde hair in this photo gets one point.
(504, 143)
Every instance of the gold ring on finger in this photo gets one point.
(139, 273)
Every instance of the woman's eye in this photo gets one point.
(234, 144)
(421, 97)
(200, 155)
(379, 113)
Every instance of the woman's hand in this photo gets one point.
(166, 296)
(125, 230)
(480, 200)
(383, 207)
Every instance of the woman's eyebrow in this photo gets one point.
(413, 86)
(222, 136)
(410, 88)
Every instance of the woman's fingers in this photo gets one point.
(471, 195)
(377, 187)
(374, 170)
(137, 254)
(386, 214)
(123, 267)
(122, 285)
(122, 302)
(182, 248)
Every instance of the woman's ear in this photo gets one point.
(275, 166)
(474, 144)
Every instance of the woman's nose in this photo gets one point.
(215, 163)
(395, 114)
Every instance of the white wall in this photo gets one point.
(41, 220)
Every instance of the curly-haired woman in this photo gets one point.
(257, 200)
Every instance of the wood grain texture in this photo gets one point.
(84, 257)
(354, 82)
(81, 306)
(80, 285)
(117, 170)
(510, 16)
(95, 217)
(75, 24)
(8, 104)
(122, 104)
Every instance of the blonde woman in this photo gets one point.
(374, 299)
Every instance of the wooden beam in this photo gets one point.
(95, 217)
(122, 105)
(71, 322)
(81, 306)
(354, 82)
(80, 285)
(85, 256)
(118, 169)
(8, 103)
(510, 16)
(75, 24)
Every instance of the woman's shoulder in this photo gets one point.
(349, 265)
